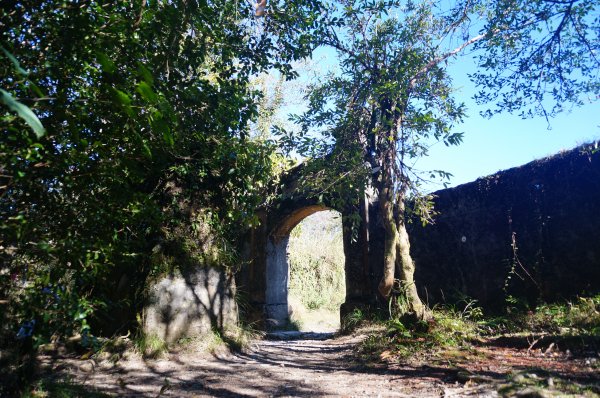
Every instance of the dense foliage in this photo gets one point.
(124, 139)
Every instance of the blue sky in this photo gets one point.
(505, 140)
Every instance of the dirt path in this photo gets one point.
(314, 367)
(269, 368)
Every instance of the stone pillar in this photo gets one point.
(276, 300)
(251, 280)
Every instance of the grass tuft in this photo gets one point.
(150, 345)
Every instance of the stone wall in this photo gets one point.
(190, 303)
(532, 232)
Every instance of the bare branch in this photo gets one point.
(444, 57)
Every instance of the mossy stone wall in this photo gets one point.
(531, 232)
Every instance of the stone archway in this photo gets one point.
(277, 265)
(264, 277)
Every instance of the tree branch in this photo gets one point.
(443, 57)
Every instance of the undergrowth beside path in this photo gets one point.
(460, 353)
(552, 350)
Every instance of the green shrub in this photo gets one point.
(450, 326)
(581, 316)
(457, 326)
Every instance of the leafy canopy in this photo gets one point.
(121, 123)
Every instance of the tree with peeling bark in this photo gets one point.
(394, 98)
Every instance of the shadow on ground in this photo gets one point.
(296, 366)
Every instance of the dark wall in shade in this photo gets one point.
(549, 209)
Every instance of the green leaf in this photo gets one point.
(14, 62)
(146, 149)
(24, 112)
(145, 74)
(122, 97)
(124, 100)
(80, 315)
(146, 92)
(161, 126)
(36, 90)
(106, 63)
(168, 137)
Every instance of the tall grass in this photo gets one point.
(316, 258)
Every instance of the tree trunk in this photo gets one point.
(386, 203)
(397, 245)
(406, 266)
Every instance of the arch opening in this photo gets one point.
(306, 271)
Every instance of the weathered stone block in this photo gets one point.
(191, 303)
